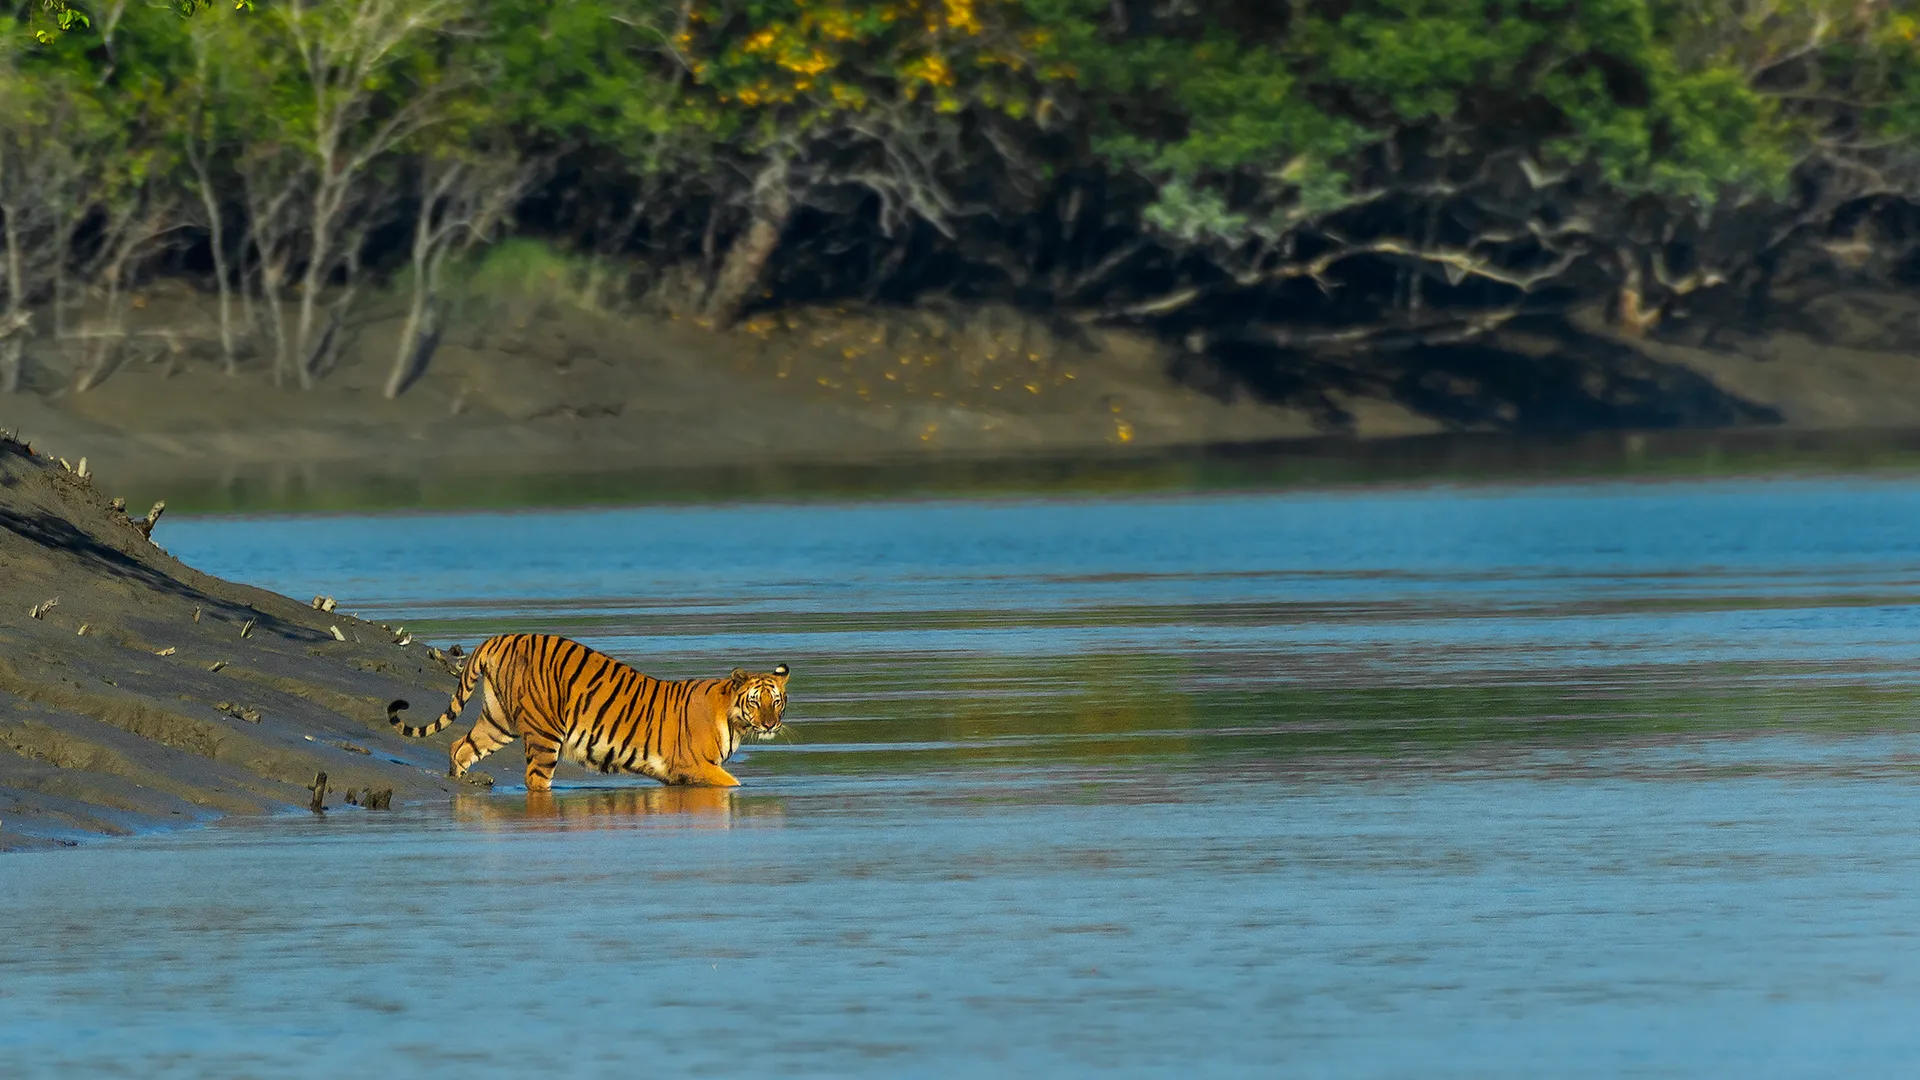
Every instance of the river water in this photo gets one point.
(1582, 780)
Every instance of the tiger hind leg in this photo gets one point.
(491, 732)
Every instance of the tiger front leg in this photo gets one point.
(543, 755)
(703, 774)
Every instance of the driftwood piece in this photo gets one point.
(153, 518)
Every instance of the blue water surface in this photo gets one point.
(1165, 785)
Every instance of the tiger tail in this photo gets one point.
(476, 666)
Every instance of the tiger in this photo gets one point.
(561, 698)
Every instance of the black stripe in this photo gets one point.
(606, 702)
(675, 706)
(596, 731)
(574, 705)
(566, 689)
(686, 715)
(688, 690)
(625, 728)
(646, 717)
(541, 677)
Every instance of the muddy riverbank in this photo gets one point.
(136, 692)
(531, 386)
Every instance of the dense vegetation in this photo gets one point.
(1307, 173)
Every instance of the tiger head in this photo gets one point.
(758, 702)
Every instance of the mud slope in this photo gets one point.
(128, 725)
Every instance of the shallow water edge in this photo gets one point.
(1279, 466)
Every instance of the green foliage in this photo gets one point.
(520, 272)
(1618, 86)
(1250, 124)
(62, 16)
(590, 70)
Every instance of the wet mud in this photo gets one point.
(137, 693)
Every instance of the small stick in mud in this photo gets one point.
(83, 630)
(152, 519)
(216, 665)
(337, 635)
(196, 616)
(319, 789)
(168, 651)
(40, 609)
(246, 628)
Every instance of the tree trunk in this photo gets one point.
(62, 248)
(336, 337)
(1632, 315)
(109, 341)
(429, 239)
(273, 272)
(12, 351)
(128, 230)
(243, 277)
(418, 342)
(747, 255)
(217, 236)
(13, 325)
(317, 258)
(266, 245)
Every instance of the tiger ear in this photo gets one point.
(739, 675)
(779, 671)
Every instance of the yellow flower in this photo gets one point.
(807, 62)
(962, 17)
(929, 69)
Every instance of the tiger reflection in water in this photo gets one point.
(617, 808)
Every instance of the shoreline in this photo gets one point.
(617, 406)
(1312, 464)
(139, 703)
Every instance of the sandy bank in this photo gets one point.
(163, 711)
